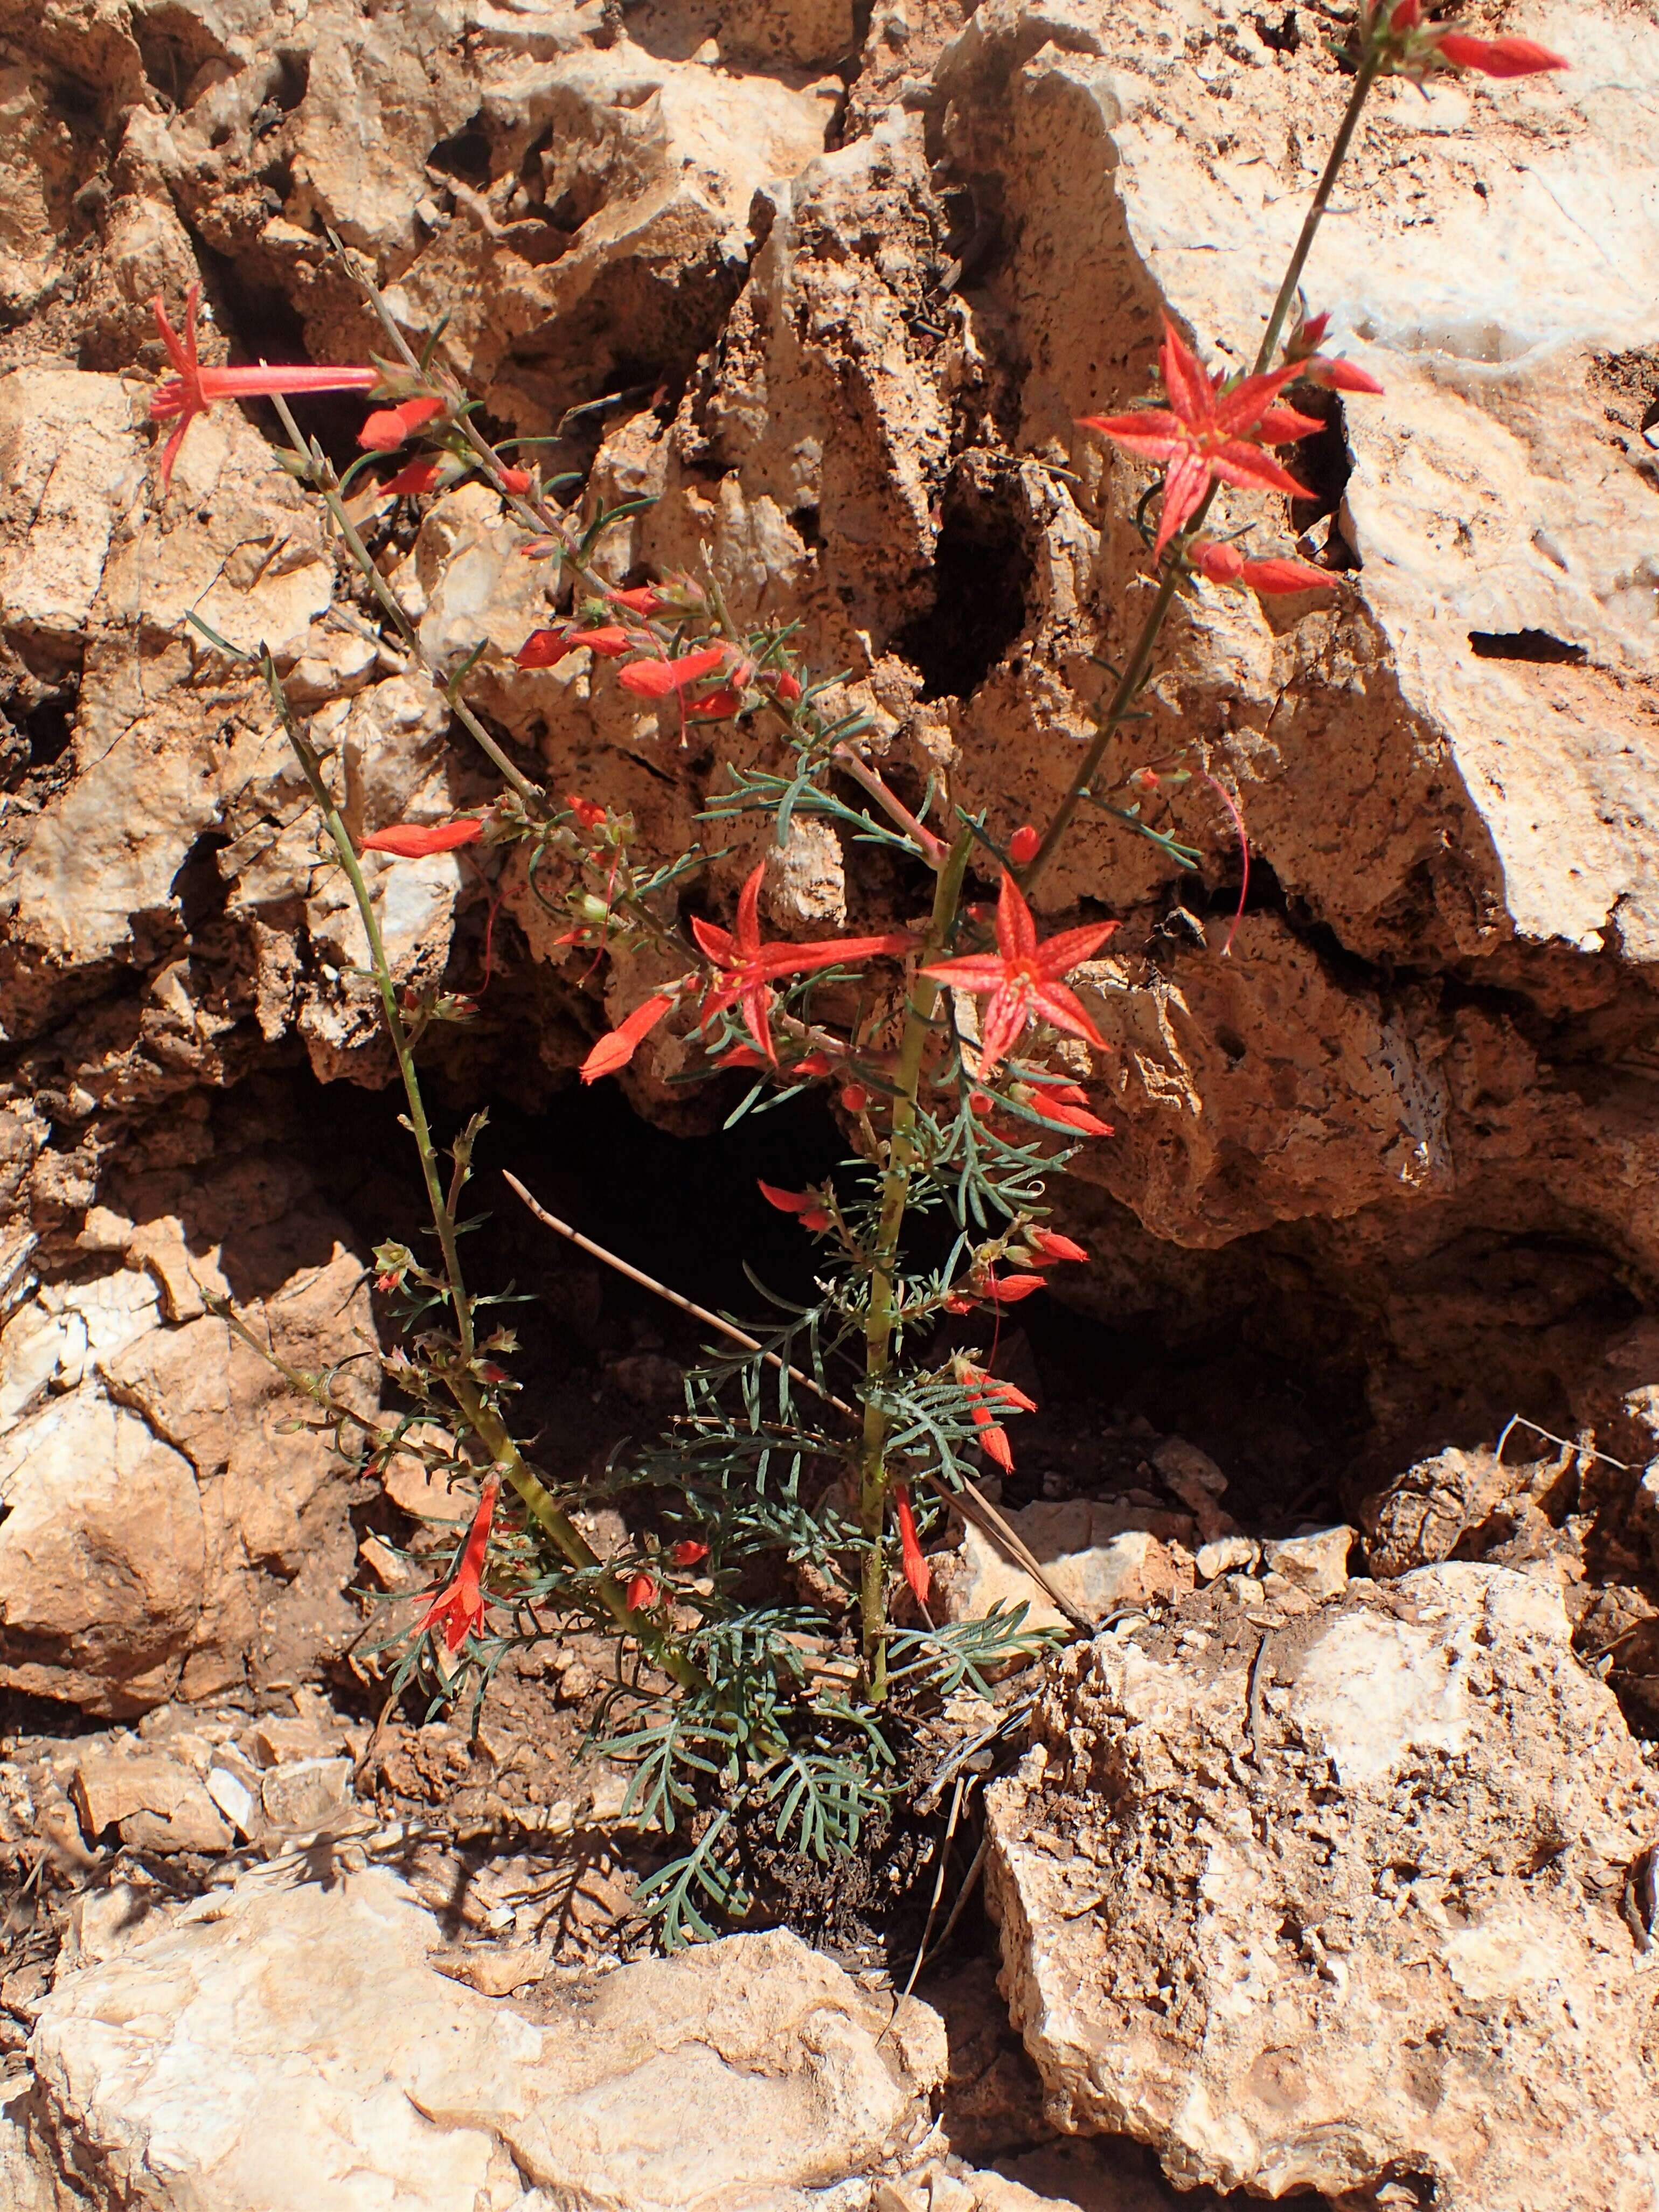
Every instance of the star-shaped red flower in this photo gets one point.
(1022, 980)
(193, 389)
(458, 1608)
(747, 968)
(1210, 429)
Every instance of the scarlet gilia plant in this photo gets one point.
(833, 1440)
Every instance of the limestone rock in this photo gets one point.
(102, 1557)
(1418, 1517)
(1412, 1985)
(157, 1804)
(1314, 1561)
(168, 1531)
(750, 2075)
(1099, 1556)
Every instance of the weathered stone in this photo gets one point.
(1331, 2015)
(1416, 1518)
(1098, 1556)
(750, 2073)
(157, 1804)
(102, 1557)
(1315, 1561)
(310, 1793)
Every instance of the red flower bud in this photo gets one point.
(1047, 1246)
(518, 480)
(1505, 57)
(655, 679)
(854, 1097)
(1022, 846)
(787, 687)
(407, 841)
(542, 647)
(389, 428)
(687, 1552)
(640, 1592)
(586, 813)
(416, 477)
(800, 1203)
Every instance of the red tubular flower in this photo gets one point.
(589, 815)
(1049, 1246)
(1337, 374)
(915, 1567)
(986, 1394)
(388, 428)
(518, 480)
(192, 389)
(1225, 564)
(543, 648)
(618, 1048)
(1282, 573)
(408, 841)
(687, 1552)
(609, 640)
(714, 706)
(459, 1606)
(1009, 1290)
(1210, 430)
(1024, 844)
(1051, 1108)
(742, 1055)
(815, 1063)
(748, 967)
(640, 1592)
(1023, 979)
(416, 476)
(788, 688)
(642, 600)
(655, 679)
(806, 1208)
(1505, 57)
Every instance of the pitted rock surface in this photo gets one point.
(1355, 1897)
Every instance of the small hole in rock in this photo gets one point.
(1524, 645)
(982, 568)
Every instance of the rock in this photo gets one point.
(1223, 1554)
(230, 1792)
(1098, 1556)
(748, 2072)
(1315, 1561)
(170, 1532)
(157, 1804)
(102, 1557)
(1470, 2015)
(1194, 1477)
(1418, 1517)
(280, 1742)
(307, 1794)
(26, 2186)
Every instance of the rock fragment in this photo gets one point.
(1428, 1977)
(750, 2074)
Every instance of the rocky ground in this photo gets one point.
(1329, 1866)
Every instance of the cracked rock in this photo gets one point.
(1343, 1900)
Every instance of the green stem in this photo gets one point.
(881, 1314)
(1134, 676)
(490, 1430)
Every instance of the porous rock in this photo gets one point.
(1099, 1556)
(169, 1529)
(1351, 1899)
(750, 2075)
